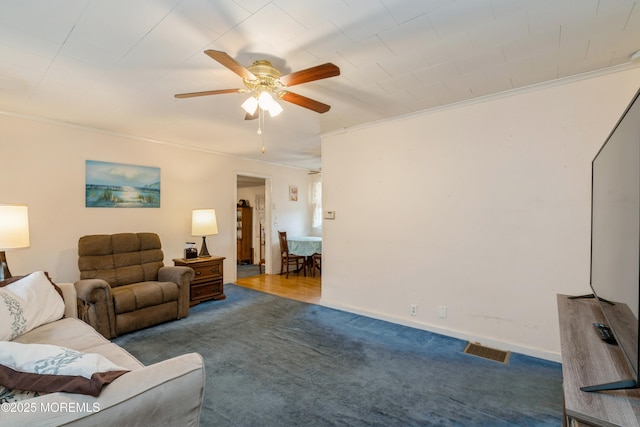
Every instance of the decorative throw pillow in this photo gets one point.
(10, 396)
(49, 368)
(28, 303)
(12, 279)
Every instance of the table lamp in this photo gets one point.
(14, 232)
(204, 223)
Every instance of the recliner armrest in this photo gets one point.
(85, 289)
(95, 305)
(182, 276)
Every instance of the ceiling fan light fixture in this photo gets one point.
(275, 109)
(265, 100)
(250, 105)
(267, 103)
(266, 84)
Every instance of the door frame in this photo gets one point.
(267, 219)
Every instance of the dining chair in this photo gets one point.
(287, 259)
(316, 263)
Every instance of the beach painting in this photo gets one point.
(117, 185)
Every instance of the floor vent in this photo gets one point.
(487, 353)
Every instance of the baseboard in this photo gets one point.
(486, 341)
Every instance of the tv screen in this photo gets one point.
(615, 236)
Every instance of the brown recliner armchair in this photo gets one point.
(124, 285)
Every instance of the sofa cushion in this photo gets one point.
(28, 303)
(75, 334)
(50, 368)
(141, 295)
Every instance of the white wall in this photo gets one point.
(483, 208)
(43, 166)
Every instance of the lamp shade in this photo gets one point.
(14, 226)
(203, 222)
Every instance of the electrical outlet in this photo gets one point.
(443, 312)
(413, 309)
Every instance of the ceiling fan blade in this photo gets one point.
(305, 102)
(208, 92)
(230, 63)
(310, 74)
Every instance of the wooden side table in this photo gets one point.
(208, 282)
(587, 360)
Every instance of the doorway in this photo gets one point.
(253, 232)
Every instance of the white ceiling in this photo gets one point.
(116, 64)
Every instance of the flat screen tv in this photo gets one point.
(615, 238)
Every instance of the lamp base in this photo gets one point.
(4, 272)
(204, 252)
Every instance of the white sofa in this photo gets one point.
(165, 393)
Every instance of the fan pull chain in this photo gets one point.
(260, 126)
(260, 121)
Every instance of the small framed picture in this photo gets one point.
(293, 193)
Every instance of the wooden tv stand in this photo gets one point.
(587, 360)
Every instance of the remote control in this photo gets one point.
(605, 333)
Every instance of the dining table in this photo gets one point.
(304, 245)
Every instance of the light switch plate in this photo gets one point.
(329, 215)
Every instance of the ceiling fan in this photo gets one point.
(265, 83)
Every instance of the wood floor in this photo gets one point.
(296, 287)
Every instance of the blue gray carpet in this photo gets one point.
(271, 361)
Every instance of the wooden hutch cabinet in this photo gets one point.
(208, 282)
(244, 224)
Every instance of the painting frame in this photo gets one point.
(121, 185)
(293, 193)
